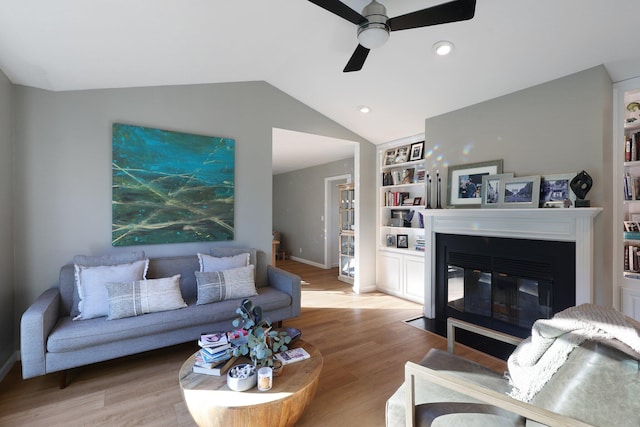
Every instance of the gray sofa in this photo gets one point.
(51, 341)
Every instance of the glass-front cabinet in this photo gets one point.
(347, 232)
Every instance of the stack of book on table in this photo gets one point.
(292, 355)
(214, 357)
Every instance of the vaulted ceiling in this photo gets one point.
(301, 49)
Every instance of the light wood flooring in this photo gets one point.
(363, 340)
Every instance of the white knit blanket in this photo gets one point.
(538, 357)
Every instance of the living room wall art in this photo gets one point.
(171, 187)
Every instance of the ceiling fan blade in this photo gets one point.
(357, 59)
(342, 10)
(458, 10)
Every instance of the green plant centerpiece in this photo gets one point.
(261, 341)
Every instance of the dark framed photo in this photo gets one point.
(520, 192)
(417, 201)
(403, 241)
(490, 191)
(464, 184)
(417, 151)
(391, 240)
(556, 192)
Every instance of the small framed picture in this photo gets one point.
(403, 241)
(520, 192)
(390, 157)
(490, 191)
(402, 154)
(417, 150)
(407, 175)
(391, 240)
(632, 226)
(417, 201)
(556, 192)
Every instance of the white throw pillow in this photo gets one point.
(144, 296)
(214, 286)
(91, 281)
(212, 263)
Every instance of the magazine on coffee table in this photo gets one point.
(292, 355)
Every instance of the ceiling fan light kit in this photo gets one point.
(374, 26)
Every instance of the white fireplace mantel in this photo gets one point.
(555, 224)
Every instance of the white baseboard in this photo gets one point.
(306, 261)
(9, 364)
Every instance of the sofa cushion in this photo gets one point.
(90, 281)
(213, 263)
(96, 261)
(227, 284)
(129, 299)
(68, 335)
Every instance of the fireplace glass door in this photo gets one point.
(512, 299)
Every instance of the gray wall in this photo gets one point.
(298, 205)
(7, 296)
(63, 165)
(562, 126)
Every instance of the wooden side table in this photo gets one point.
(212, 403)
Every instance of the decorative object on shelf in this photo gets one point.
(490, 190)
(417, 201)
(631, 226)
(581, 184)
(261, 341)
(420, 220)
(402, 154)
(409, 218)
(438, 191)
(242, 377)
(428, 192)
(417, 149)
(403, 241)
(520, 192)
(391, 240)
(464, 181)
(555, 191)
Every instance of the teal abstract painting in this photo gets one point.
(171, 187)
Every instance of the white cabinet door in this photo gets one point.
(389, 272)
(414, 278)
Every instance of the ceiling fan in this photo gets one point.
(374, 25)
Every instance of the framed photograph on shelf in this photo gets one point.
(490, 191)
(556, 192)
(520, 192)
(407, 175)
(417, 151)
(417, 201)
(631, 226)
(464, 182)
(390, 157)
(402, 154)
(403, 241)
(391, 240)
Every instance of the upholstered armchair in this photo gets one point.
(598, 384)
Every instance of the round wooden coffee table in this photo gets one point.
(212, 403)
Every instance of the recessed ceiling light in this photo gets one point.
(443, 48)
(364, 109)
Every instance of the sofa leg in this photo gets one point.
(63, 379)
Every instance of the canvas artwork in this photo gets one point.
(171, 187)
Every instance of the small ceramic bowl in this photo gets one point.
(242, 384)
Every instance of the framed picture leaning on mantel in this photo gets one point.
(490, 191)
(464, 183)
(520, 192)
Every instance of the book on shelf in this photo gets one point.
(292, 355)
(630, 187)
(631, 152)
(217, 369)
(631, 261)
(631, 235)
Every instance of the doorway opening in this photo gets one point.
(331, 220)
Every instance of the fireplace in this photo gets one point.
(502, 283)
(573, 227)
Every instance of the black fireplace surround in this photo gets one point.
(502, 283)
